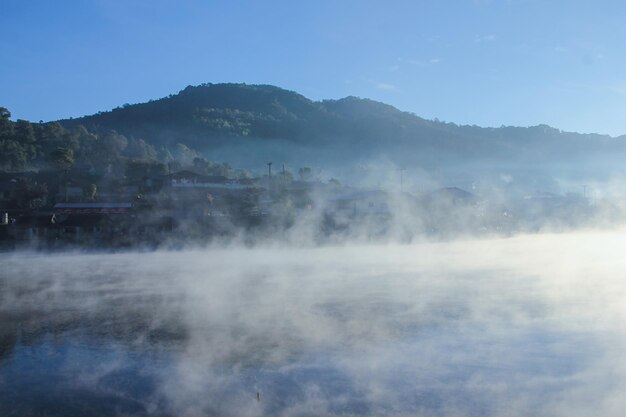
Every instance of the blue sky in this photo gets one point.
(484, 62)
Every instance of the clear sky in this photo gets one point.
(484, 62)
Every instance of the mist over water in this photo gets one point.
(524, 326)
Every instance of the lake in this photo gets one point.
(532, 325)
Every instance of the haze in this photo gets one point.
(354, 208)
(524, 326)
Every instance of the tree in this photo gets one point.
(334, 183)
(112, 143)
(140, 169)
(139, 149)
(223, 169)
(6, 127)
(90, 192)
(24, 131)
(184, 154)
(62, 158)
(164, 155)
(243, 174)
(174, 166)
(201, 165)
(5, 114)
(30, 195)
(25, 135)
(13, 156)
(87, 155)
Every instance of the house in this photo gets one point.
(449, 196)
(92, 208)
(192, 195)
(71, 190)
(359, 203)
(189, 179)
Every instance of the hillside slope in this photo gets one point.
(250, 123)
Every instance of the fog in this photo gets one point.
(373, 165)
(529, 325)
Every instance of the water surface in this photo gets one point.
(526, 326)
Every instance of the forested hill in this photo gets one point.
(210, 117)
(213, 113)
(248, 125)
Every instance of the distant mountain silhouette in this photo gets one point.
(252, 122)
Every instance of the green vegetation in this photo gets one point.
(249, 125)
(26, 146)
(250, 119)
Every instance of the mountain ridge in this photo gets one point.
(191, 91)
(228, 120)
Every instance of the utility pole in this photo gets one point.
(284, 174)
(269, 169)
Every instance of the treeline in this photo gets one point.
(26, 146)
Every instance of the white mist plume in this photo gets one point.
(531, 325)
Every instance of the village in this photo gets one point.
(185, 206)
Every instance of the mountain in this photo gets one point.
(247, 124)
